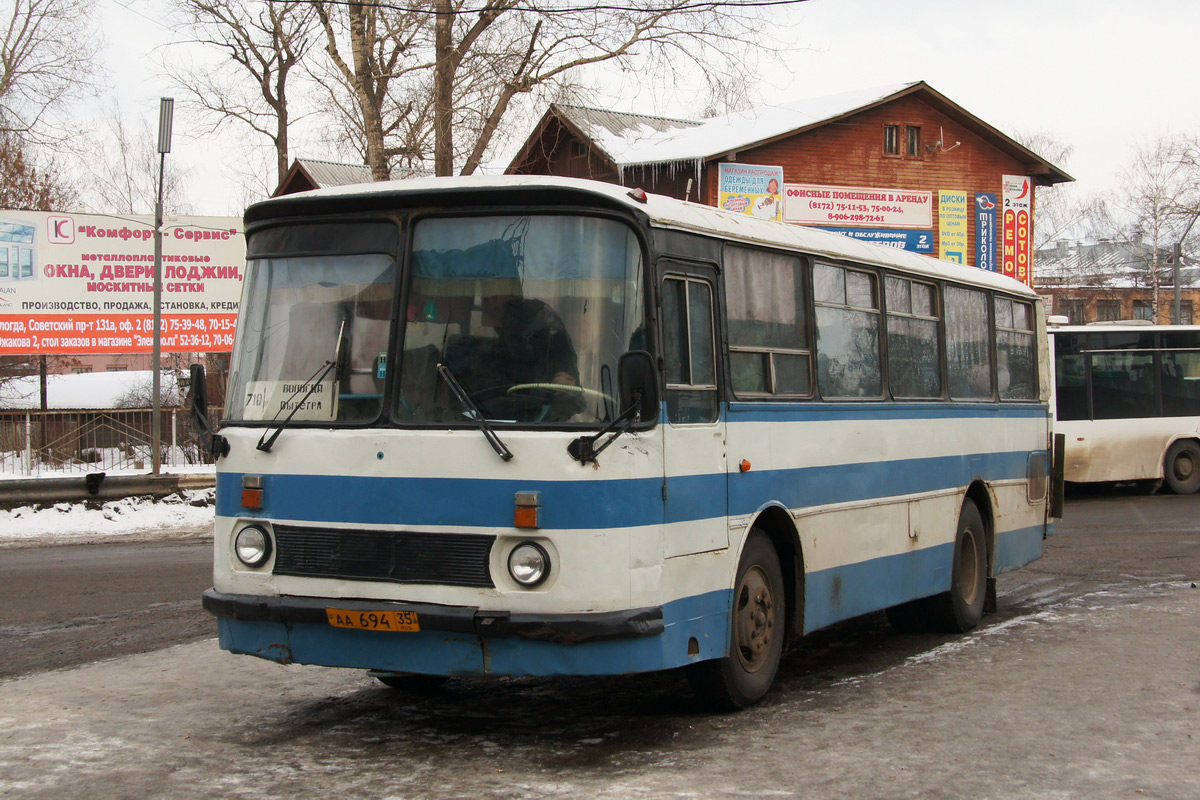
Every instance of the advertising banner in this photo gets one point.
(914, 241)
(751, 189)
(84, 283)
(952, 225)
(806, 204)
(1016, 233)
(985, 230)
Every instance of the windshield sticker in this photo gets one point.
(311, 401)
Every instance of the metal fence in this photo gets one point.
(37, 443)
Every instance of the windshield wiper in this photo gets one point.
(584, 448)
(473, 412)
(313, 382)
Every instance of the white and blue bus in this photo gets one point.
(540, 426)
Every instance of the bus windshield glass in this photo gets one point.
(314, 329)
(529, 314)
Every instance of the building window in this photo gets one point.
(891, 140)
(116, 368)
(1072, 310)
(80, 370)
(1142, 310)
(578, 149)
(912, 141)
(1108, 310)
(1185, 312)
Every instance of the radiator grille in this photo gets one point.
(454, 559)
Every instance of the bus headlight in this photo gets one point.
(252, 546)
(529, 564)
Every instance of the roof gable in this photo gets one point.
(633, 140)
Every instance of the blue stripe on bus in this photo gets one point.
(838, 593)
(598, 504)
(845, 412)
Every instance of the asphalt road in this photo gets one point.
(1085, 684)
(65, 605)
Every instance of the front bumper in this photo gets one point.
(556, 628)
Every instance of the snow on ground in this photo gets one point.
(186, 515)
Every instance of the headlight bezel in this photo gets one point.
(517, 560)
(265, 551)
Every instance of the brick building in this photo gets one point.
(906, 137)
(1106, 281)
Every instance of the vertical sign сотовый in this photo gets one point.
(1015, 237)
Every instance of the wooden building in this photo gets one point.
(906, 137)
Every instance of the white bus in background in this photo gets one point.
(542, 426)
(1127, 400)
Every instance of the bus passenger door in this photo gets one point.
(695, 484)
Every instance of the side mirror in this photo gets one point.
(637, 382)
(218, 445)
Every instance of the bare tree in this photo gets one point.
(24, 185)
(510, 48)
(377, 54)
(451, 73)
(1158, 196)
(263, 43)
(1062, 211)
(46, 61)
(124, 179)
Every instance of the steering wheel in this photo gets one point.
(561, 387)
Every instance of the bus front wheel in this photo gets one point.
(757, 633)
(1182, 467)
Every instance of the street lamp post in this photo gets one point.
(166, 113)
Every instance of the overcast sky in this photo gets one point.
(1100, 75)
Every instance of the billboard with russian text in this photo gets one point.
(751, 189)
(807, 204)
(84, 283)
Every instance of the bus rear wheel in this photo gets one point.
(1182, 467)
(960, 609)
(757, 633)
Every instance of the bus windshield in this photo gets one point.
(529, 314)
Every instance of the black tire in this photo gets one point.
(757, 633)
(409, 681)
(960, 609)
(1181, 468)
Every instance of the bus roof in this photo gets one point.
(663, 212)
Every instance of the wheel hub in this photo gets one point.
(754, 618)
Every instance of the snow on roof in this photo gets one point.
(686, 141)
(332, 173)
(1105, 265)
(89, 390)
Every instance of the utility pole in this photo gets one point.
(166, 114)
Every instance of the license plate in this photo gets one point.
(400, 621)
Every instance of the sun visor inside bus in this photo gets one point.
(341, 237)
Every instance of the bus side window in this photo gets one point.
(689, 351)
(968, 344)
